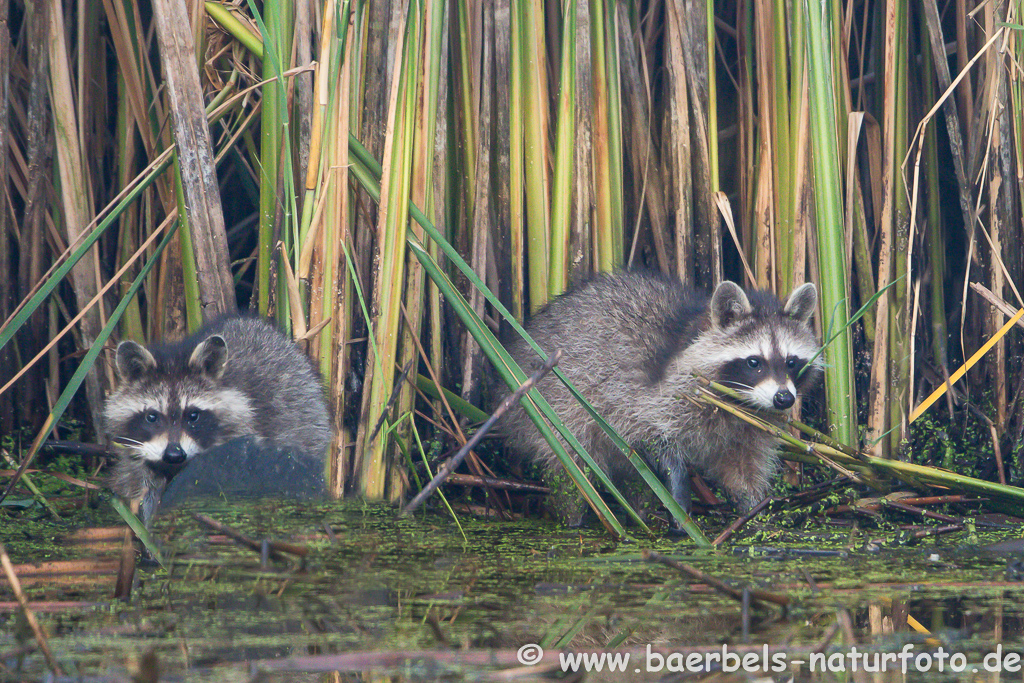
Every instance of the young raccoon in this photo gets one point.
(237, 376)
(631, 345)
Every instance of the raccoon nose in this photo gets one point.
(783, 400)
(174, 454)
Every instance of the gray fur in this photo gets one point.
(133, 360)
(802, 303)
(632, 344)
(249, 376)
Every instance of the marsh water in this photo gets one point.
(425, 598)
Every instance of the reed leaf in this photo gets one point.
(11, 326)
(140, 531)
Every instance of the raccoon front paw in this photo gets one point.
(568, 508)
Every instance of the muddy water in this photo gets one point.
(418, 599)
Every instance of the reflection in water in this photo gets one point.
(412, 599)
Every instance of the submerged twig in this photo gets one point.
(30, 616)
(457, 459)
(816, 492)
(276, 547)
(717, 584)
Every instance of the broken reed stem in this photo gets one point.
(937, 531)
(276, 546)
(873, 471)
(941, 500)
(910, 509)
(391, 401)
(457, 459)
(496, 483)
(755, 593)
(30, 616)
(846, 464)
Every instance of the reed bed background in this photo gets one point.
(370, 172)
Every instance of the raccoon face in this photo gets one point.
(165, 414)
(762, 349)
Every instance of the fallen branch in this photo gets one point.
(456, 460)
(717, 584)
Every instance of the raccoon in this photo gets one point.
(632, 343)
(237, 376)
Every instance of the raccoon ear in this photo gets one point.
(133, 361)
(210, 356)
(801, 302)
(728, 303)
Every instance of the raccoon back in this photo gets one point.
(618, 334)
(284, 388)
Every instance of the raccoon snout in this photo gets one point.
(174, 454)
(783, 400)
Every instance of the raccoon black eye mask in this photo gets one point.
(236, 377)
(632, 344)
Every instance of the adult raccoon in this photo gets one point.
(632, 344)
(235, 377)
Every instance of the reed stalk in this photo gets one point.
(565, 141)
(607, 137)
(277, 31)
(899, 302)
(389, 275)
(831, 252)
(421, 194)
(516, 155)
(536, 126)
